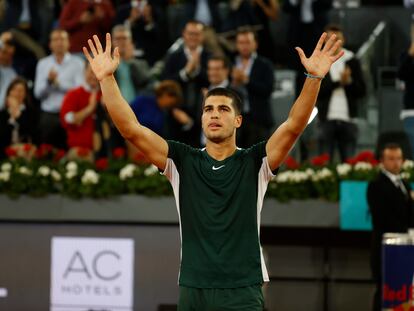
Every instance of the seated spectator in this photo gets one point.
(84, 18)
(17, 119)
(144, 19)
(77, 112)
(7, 72)
(241, 14)
(161, 113)
(133, 75)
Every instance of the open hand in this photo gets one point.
(103, 64)
(319, 63)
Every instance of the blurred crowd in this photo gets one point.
(48, 95)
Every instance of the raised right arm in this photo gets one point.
(153, 146)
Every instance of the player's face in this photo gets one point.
(392, 160)
(219, 119)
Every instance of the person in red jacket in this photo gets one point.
(83, 18)
(78, 111)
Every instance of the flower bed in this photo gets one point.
(46, 171)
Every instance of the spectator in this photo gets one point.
(157, 112)
(240, 14)
(84, 18)
(307, 19)
(254, 74)
(55, 75)
(187, 65)
(391, 207)
(77, 112)
(17, 121)
(133, 75)
(144, 19)
(7, 72)
(338, 102)
(265, 11)
(218, 73)
(406, 74)
(207, 13)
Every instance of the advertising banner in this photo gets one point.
(91, 274)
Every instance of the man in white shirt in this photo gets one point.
(338, 103)
(55, 75)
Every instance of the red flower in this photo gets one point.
(82, 152)
(351, 161)
(11, 152)
(27, 148)
(101, 164)
(140, 158)
(374, 162)
(43, 150)
(291, 163)
(321, 160)
(365, 156)
(60, 153)
(118, 153)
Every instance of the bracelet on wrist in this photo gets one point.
(311, 76)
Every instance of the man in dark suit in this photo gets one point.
(254, 73)
(338, 102)
(391, 207)
(187, 66)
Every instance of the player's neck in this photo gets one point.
(222, 150)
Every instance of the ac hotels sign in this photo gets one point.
(92, 273)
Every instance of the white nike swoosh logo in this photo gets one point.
(217, 168)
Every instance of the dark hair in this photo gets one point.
(169, 87)
(20, 80)
(392, 146)
(334, 28)
(221, 91)
(223, 59)
(195, 22)
(245, 30)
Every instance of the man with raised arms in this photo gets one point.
(219, 190)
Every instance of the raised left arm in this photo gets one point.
(317, 65)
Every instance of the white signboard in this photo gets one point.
(92, 273)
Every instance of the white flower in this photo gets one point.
(71, 174)
(299, 176)
(408, 164)
(4, 176)
(151, 170)
(43, 171)
(310, 172)
(127, 171)
(283, 177)
(25, 171)
(56, 175)
(363, 166)
(405, 175)
(324, 173)
(6, 167)
(343, 169)
(90, 177)
(72, 166)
